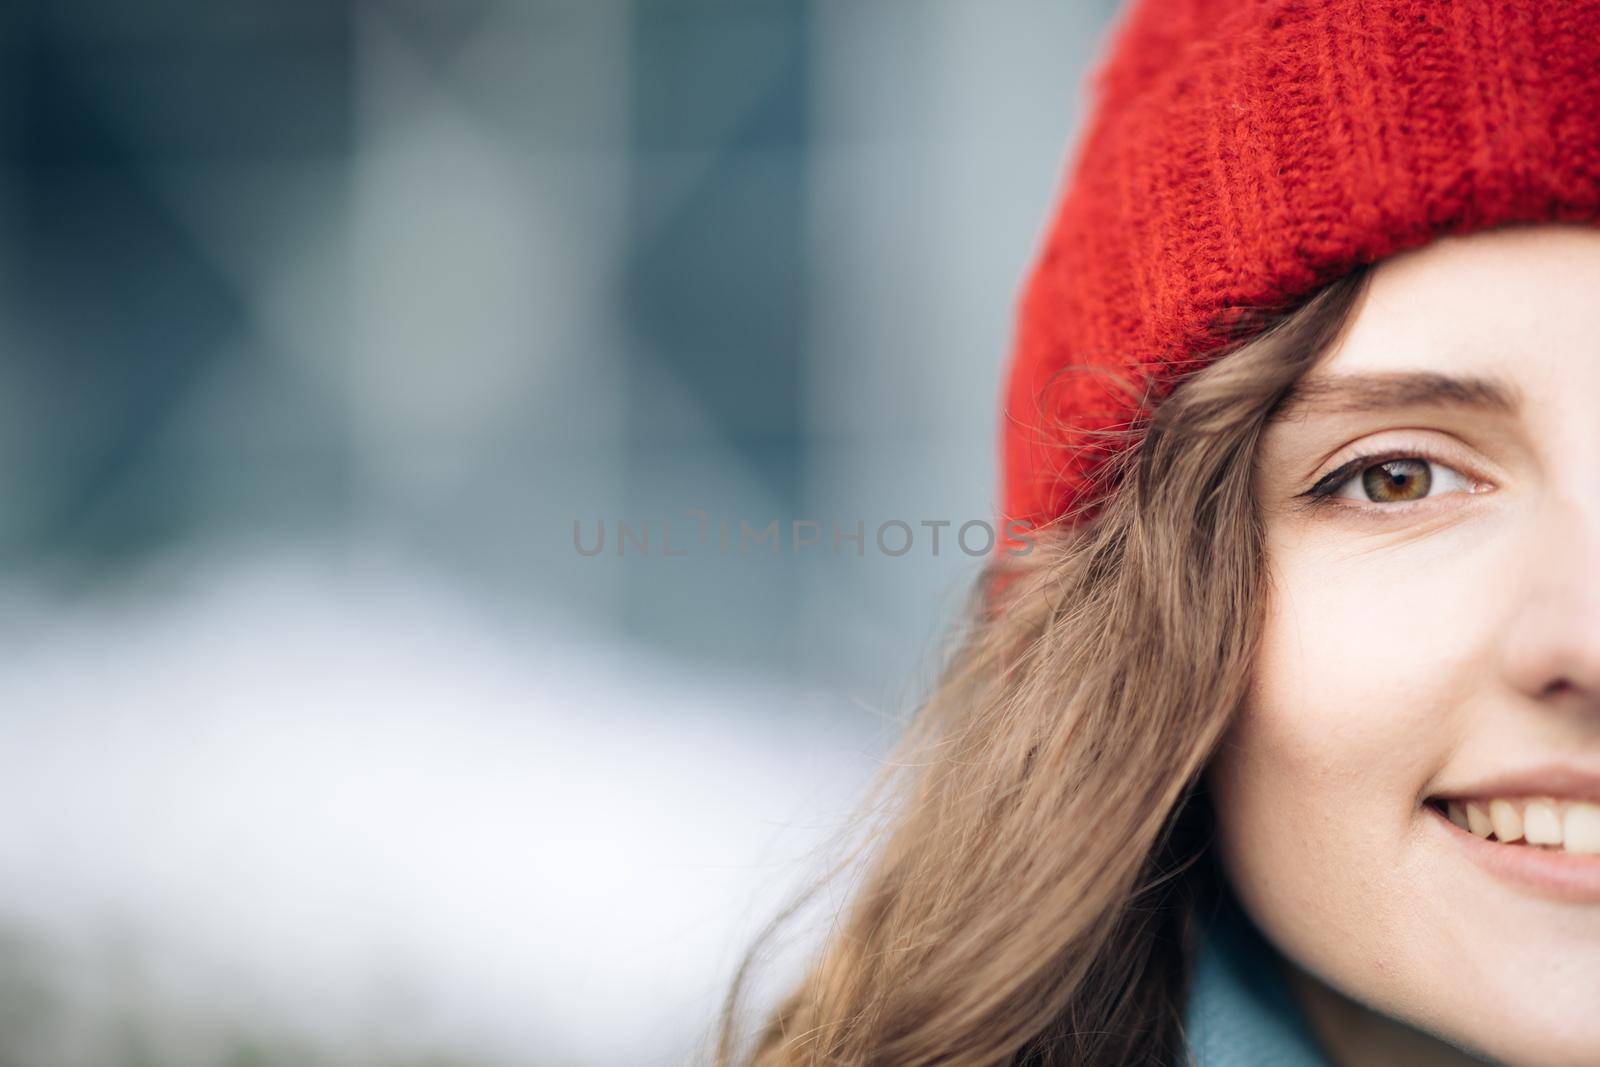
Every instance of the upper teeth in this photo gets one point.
(1570, 825)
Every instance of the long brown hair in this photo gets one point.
(1033, 894)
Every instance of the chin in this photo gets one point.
(1530, 1001)
(1522, 1048)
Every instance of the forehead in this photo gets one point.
(1519, 303)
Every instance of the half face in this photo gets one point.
(1409, 806)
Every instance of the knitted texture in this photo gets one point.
(1239, 155)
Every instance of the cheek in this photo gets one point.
(1356, 703)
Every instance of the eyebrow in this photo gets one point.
(1349, 394)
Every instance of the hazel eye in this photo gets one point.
(1400, 480)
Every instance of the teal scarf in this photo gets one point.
(1240, 1011)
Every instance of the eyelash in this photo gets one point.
(1324, 493)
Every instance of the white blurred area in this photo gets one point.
(325, 804)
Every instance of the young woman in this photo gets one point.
(1278, 741)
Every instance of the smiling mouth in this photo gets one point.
(1553, 824)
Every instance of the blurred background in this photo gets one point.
(379, 383)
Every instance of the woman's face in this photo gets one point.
(1433, 633)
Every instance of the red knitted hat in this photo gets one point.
(1243, 153)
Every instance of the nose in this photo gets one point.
(1552, 643)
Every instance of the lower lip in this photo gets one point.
(1569, 877)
